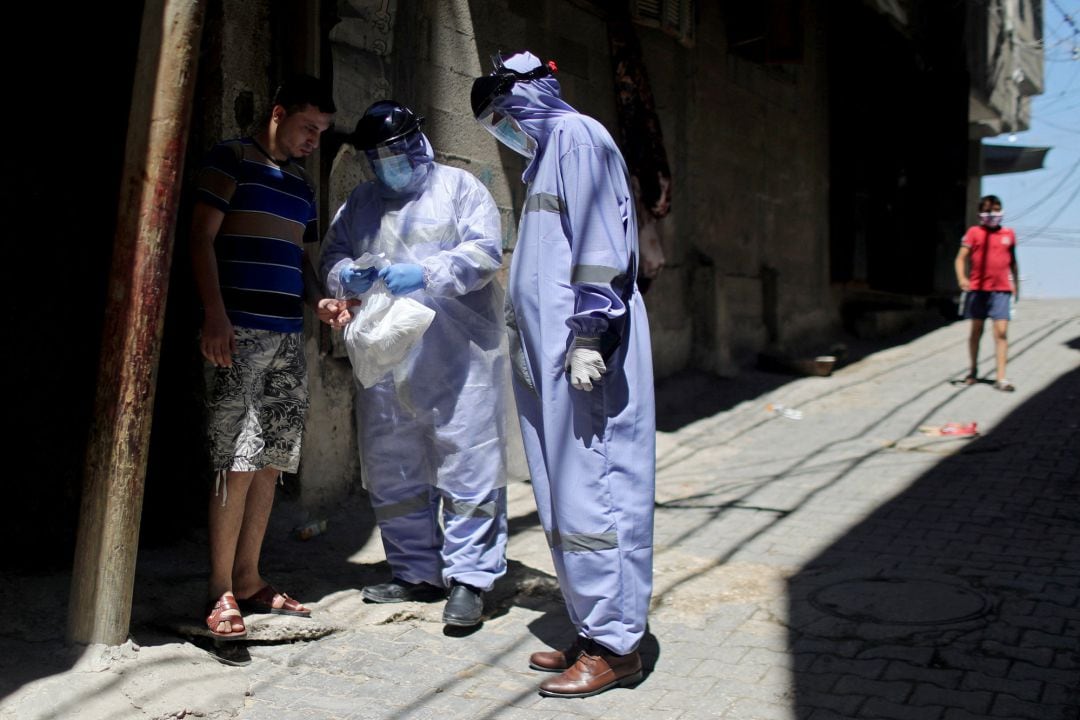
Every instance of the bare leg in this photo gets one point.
(225, 523)
(973, 346)
(246, 579)
(1001, 346)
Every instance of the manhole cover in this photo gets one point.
(900, 601)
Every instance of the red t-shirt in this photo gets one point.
(991, 257)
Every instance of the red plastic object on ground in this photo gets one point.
(952, 429)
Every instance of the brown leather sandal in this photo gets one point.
(225, 609)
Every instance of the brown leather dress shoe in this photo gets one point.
(596, 670)
(557, 660)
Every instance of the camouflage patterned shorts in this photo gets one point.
(256, 408)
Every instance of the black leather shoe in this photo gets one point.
(464, 606)
(397, 591)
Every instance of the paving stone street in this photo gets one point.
(843, 565)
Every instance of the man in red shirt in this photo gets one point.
(987, 272)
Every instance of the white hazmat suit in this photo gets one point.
(431, 432)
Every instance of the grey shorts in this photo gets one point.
(993, 304)
(256, 408)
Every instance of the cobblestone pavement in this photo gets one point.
(843, 565)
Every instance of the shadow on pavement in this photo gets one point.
(32, 631)
(961, 592)
(692, 395)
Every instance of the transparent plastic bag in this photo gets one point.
(383, 331)
(365, 261)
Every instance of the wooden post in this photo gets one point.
(104, 570)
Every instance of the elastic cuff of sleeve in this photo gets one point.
(333, 278)
(426, 276)
(586, 342)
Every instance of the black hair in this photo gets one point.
(990, 200)
(301, 90)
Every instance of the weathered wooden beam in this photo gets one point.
(104, 571)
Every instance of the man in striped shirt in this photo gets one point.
(255, 212)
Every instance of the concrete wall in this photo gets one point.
(1005, 58)
(233, 86)
(751, 156)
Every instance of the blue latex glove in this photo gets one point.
(356, 281)
(403, 278)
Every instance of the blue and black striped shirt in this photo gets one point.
(269, 213)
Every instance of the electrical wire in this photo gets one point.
(1066, 16)
(1068, 203)
(1038, 203)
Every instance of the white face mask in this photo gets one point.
(509, 133)
(395, 171)
(991, 219)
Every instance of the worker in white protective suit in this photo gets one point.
(582, 364)
(431, 431)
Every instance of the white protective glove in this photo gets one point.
(584, 363)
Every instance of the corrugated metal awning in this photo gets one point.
(1002, 159)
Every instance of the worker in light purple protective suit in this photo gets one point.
(581, 355)
(431, 432)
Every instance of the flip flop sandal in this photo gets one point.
(225, 609)
(1004, 386)
(263, 602)
(971, 380)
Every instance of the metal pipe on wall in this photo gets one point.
(104, 570)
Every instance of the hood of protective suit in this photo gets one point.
(421, 156)
(535, 104)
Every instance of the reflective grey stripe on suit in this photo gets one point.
(466, 510)
(584, 542)
(599, 275)
(545, 202)
(406, 507)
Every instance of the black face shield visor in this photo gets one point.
(486, 89)
(384, 122)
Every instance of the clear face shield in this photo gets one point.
(391, 163)
(388, 150)
(487, 89)
(507, 131)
